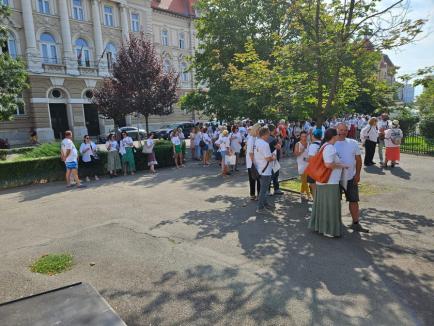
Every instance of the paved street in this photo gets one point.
(184, 247)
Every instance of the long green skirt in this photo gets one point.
(326, 212)
(128, 158)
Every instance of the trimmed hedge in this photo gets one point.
(46, 169)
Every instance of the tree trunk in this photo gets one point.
(147, 123)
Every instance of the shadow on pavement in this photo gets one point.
(291, 266)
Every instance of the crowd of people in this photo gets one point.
(331, 148)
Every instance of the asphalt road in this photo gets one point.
(185, 247)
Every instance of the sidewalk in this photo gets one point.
(184, 247)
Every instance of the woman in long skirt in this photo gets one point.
(113, 159)
(126, 150)
(326, 212)
(152, 161)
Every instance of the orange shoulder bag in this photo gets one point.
(316, 168)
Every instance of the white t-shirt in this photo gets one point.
(207, 140)
(236, 140)
(224, 143)
(242, 131)
(73, 154)
(124, 143)
(262, 150)
(302, 158)
(85, 153)
(113, 145)
(176, 141)
(392, 133)
(347, 150)
(197, 139)
(249, 149)
(313, 148)
(330, 156)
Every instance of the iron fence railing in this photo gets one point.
(416, 143)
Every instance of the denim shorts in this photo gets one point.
(223, 155)
(71, 165)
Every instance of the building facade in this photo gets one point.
(69, 46)
(406, 93)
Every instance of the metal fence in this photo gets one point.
(416, 143)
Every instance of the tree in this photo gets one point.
(13, 75)
(425, 101)
(196, 101)
(138, 83)
(313, 65)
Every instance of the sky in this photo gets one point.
(419, 54)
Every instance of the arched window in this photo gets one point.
(165, 37)
(166, 66)
(110, 51)
(184, 73)
(83, 52)
(181, 40)
(12, 46)
(48, 48)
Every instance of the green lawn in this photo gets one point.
(366, 189)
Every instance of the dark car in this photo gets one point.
(164, 131)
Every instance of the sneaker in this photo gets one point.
(358, 228)
(252, 198)
(278, 192)
(81, 186)
(87, 179)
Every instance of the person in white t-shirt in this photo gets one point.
(254, 184)
(313, 149)
(262, 158)
(69, 155)
(88, 156)
(236, 139)
(326, 215)
(392, 140)
(126, 145)
(301, 152)
(206, 147)
(224, 148)
(349, 154)
(177, 149)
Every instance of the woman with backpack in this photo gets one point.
(311, 152)
(392, 140)
(326, 215)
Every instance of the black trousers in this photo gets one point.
(252, 183)
(369, 151)
(274, 181)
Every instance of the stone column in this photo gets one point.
(124, 22)
(99, 45)
(33, 56)
(68, 52)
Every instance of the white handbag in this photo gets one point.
(147, 149)
(230, 159)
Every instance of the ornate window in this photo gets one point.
(184, 72)
(48, 48)
(108, 16)
(135, 22)
(83, 52)
(165, 37)
(44, 6)
(111, 54)
(181, 40)
(77, 9)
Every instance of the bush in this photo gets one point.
(427, 127)
(45, 169)
(407, 123)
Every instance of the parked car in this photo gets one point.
(133, 132)
(164, 131)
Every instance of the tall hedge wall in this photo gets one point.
(46, 169)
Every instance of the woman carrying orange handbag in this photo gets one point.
(326, 212)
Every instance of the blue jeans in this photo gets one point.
(265, 183)
(198, 152)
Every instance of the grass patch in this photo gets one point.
(365, 189)
(52, 264)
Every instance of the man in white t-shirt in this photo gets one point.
(262, 157)
(69, 155)
(348, 151)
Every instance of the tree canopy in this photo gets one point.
(138, 83)
(13, 75)
(310, 58)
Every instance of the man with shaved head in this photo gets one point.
(349, 153)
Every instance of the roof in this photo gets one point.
(179, 7)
